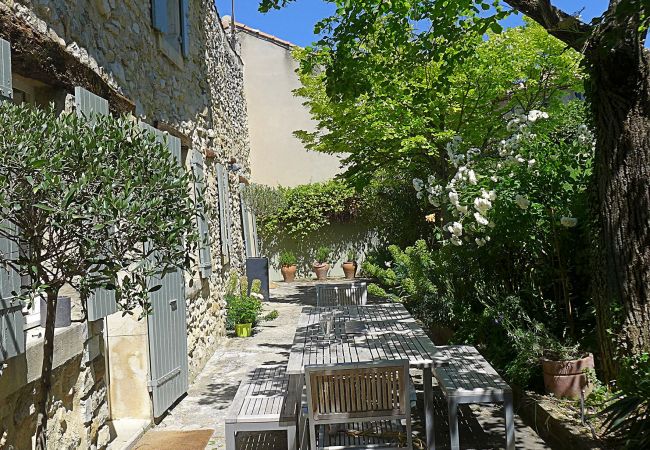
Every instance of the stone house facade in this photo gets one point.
(169, 63)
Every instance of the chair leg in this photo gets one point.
(452, 405)
(230, 438)
(510, 423)
(409, 434)
(291, 438)
(312, 435)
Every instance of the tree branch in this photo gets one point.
(567, 28)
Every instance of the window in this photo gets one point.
(171, 19)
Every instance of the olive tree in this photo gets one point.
(92, 204)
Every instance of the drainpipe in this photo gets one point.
(232, 25)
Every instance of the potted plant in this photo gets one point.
(288, 266)
(321, 266)
(243, 309)
(350, 265)
(565, 371)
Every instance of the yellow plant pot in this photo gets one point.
(244, 329)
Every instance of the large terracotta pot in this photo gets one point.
(350, 269)
(321, 271)
(288, 273)
(567, 378)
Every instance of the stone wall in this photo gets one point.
(78, 408)
(201, 97)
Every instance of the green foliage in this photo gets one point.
(287, 259)
(323, 255)
(403, 121)
(351, 256)
(86, 198)
(508, 295)
(307, 208)
(272, 315)
(628, 415)
(242, 307)
(264, 201)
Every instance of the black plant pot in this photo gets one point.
(63, 314)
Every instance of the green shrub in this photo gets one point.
(242, 307)
(272, 315)
(287, 259)
(322, 255)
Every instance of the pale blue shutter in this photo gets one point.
(224, 207)
(101, 303)
(185, 27)
(205, 258)
(159, 15)
(6, 89)
(12, 321)
(246, 224)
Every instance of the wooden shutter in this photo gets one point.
(6, 89)
(185, 27)
(205, 258)
(224, 207)
(245, 220)
(101, 303)
(12, 321)
(159, 17)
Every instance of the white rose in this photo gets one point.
(522, 202)
(456, 229)
(471, 176)
(453, 197)
(568, 222)
(480, 219)
(418, 184)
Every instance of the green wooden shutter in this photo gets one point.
(159, 17)
(6, 89)
(205, 258)
(101, 303)
(185, 27)
(12, 321)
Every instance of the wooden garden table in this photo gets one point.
(362, 334)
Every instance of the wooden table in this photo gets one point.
(362, 334)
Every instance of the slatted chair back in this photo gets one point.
(332, 295)
(343, 393)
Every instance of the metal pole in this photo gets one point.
(232, 25)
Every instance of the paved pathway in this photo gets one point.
(210, 395)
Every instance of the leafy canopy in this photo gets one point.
(404, 119)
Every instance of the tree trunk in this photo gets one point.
(619, 90)
(46, 373)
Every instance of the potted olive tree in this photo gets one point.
(288, 266)
(350, 265)
(244, 309)
(321, 266)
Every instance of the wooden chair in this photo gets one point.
(369, 399)
(332, 295)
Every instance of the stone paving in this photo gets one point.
(210, 395)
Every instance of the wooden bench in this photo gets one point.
(466, 377)
(265, 402)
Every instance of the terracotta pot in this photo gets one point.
(350, 269)
(244, 329)
(288, 273)
(321, 271)
(567, 378)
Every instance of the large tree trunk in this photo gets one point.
(619, 90)
(46, 373)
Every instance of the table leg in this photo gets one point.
(428, 408)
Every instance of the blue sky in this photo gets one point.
(295, 22)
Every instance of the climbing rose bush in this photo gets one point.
(535, 175)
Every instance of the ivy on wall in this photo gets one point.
(301, 210)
